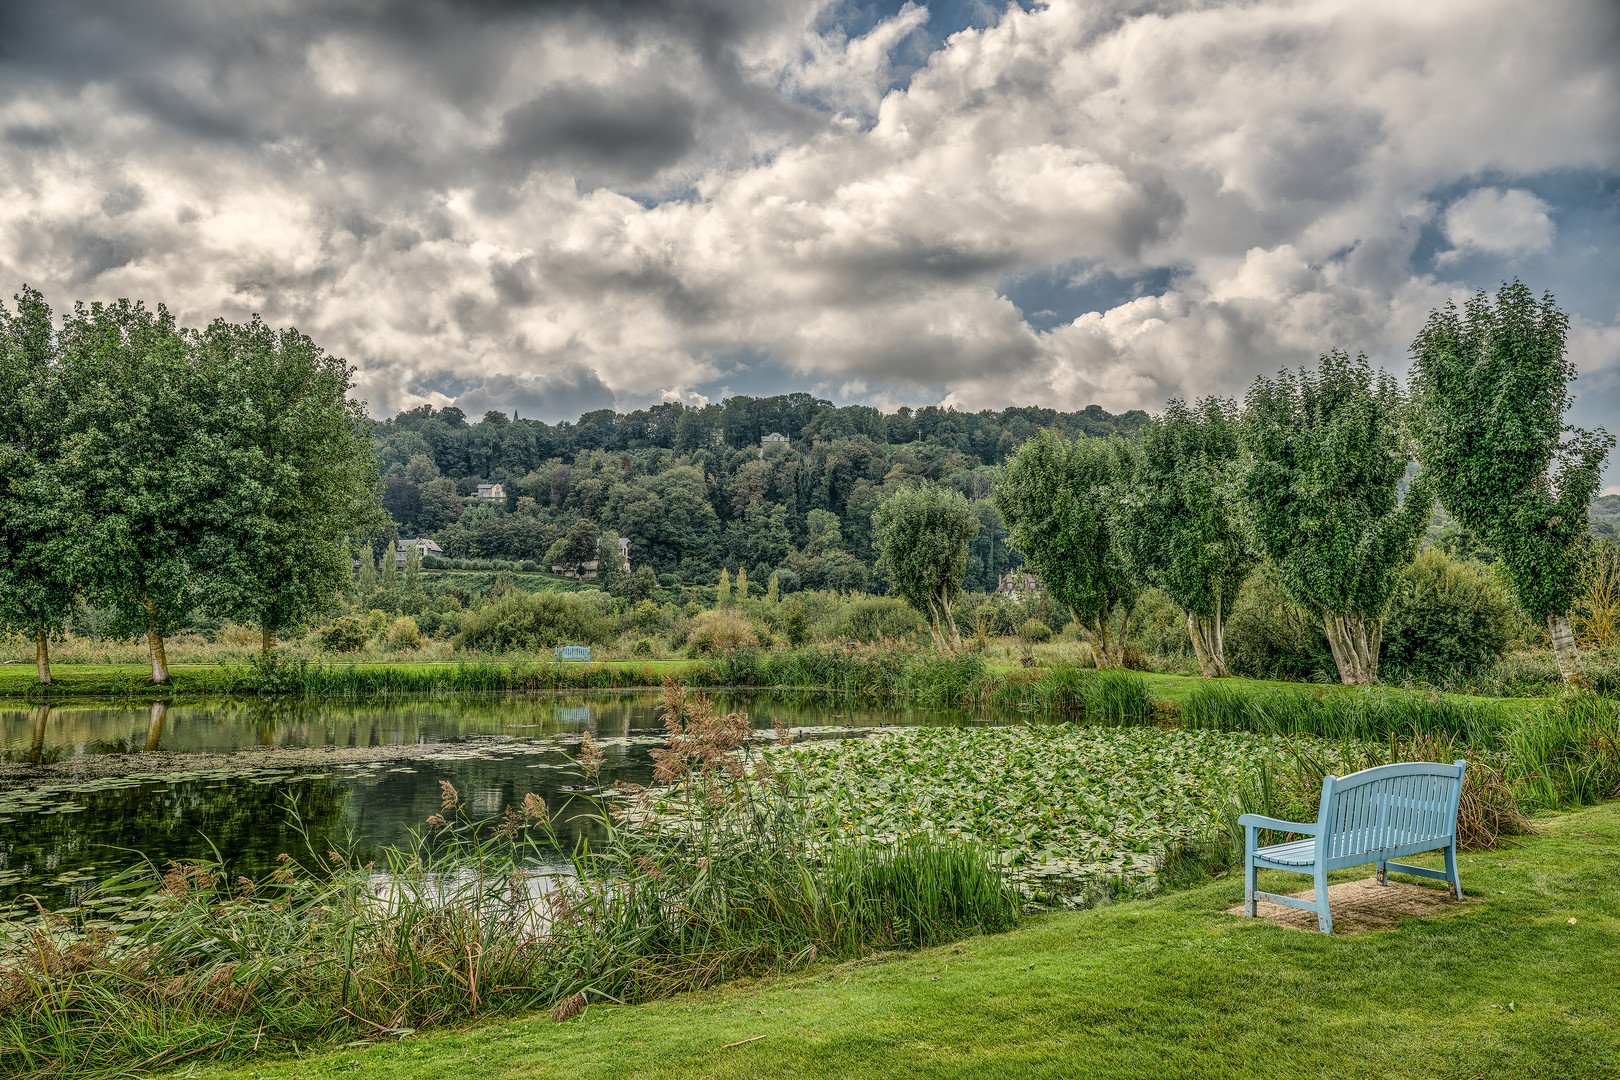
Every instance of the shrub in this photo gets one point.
(721, 631)
(1270, 637)
(669, 581)
(1035, 632)
(533, 621)
(376, 621)
(403, 633)
(346, 634)
(797, 626)
(872, 618)
(642, 648)
(644, 616)
(431, 562)
(530, 566)
(1447, 616)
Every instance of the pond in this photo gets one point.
(85, 790)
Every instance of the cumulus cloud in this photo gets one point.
(1510, 223)
(555, 206)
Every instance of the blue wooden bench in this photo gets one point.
(1372, 816)
(574, 652)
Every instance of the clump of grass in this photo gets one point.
(1338, 714)
(1566, 753)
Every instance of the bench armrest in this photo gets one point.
(1260, 821)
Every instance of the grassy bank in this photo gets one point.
(1508, 987)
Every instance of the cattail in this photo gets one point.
(591, 757)
(568, 1008)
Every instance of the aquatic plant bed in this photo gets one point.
(1066, 808)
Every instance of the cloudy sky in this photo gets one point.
(564, 205)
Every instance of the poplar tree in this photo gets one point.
(722, 591)
(1183, 524)
(1060, 499)
(1327, 451)
(921, 536)
(41, 527)
(1491, 388)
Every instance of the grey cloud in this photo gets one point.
(557, 394)
(587, 127)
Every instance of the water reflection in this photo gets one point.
(84, 789)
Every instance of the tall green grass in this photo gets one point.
(1338, 714)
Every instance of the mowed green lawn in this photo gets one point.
(1525, 983)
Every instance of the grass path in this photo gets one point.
(1525, 984)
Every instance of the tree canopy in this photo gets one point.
(1491, 388)
(1327, 452)
(1061, 499)
(921, 534)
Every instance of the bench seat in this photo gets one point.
(1372, 816)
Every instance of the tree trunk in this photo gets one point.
(42, 656)
(154, 724)
(269, 639)
(1206, 643)
(160, 660)
(1105, 650)
(1565, 652)
(950, 621)
(1355, 647)
(37, 750)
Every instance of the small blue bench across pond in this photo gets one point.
(1372, 816)
(574, 652)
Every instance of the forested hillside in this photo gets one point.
(694, 490)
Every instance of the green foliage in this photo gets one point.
(534, 621)
(1446, 616)
(1183, 524)
(1059, 498)
(796, 624)
(43, 564)
(1270, 636)
(1327, 452)
(347, 633)
(1491, 387)
(403, 634)
(302, 472)
(921, 536)
(1035, 632)
(874, 618)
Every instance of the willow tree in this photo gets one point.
(1491, 387)
(921, 535)
(1326, 453)
(1060, 499)
(41, 554)
(302, 463)
(1183, 524)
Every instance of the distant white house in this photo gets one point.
(775, 438)
(491, 491)
(421, 543)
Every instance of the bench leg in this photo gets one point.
(1324, 916)
(1383, 874)
(1454, 885)
(1250, 905)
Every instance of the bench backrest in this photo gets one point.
(1390, 805)
(573, 652)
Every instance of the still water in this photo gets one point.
(85, 791)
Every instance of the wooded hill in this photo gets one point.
(695, 490)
